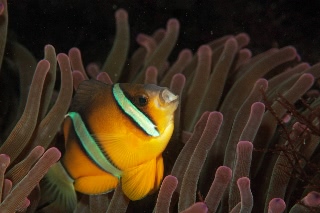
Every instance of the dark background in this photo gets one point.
(90, 25)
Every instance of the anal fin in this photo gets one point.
(142, 180)
(96, 184)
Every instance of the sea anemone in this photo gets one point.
(246, 132)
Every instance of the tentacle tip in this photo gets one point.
(204, 49)
(312, 199)
(225, 172)
(263, 83)
(218, 114)
(245, 143)
(74, 50)
(247, 52)
(258, 106)
(292, 51)
(276, 205)
(172, 179)
(171, 176)
(140, 38)
(4, 160)
(39, 148)
(160, 31)
(243, 181)
(201, 206)
(152, 69)
(54, 151)
(277, 200)
(173, 23)
(179, 77)
(93, 67)
(232, 42)
(26, 203)
(44, 62)
(121, 14)
(4, 156)
(1, 8)
(244, 35)
(48, 46)
(186, 52)
(61, 55)
(308, 75)
(224, 168)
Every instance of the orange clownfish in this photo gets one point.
(114, 133)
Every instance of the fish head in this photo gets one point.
(162, 98)
(158, 103)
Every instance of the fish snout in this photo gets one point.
(167, 97)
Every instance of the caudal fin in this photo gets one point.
(57, 189)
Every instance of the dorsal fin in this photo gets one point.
(86, 93)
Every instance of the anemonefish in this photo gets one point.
(114, 133)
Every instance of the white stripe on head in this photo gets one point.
(133, 112)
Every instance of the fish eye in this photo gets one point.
(142, 100)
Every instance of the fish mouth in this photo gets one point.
(167, 97)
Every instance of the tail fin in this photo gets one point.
(57, 189)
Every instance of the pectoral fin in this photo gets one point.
(57, 189)
(143, 179)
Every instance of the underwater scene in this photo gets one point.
(159, 106)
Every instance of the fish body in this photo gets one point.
(117, 133)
